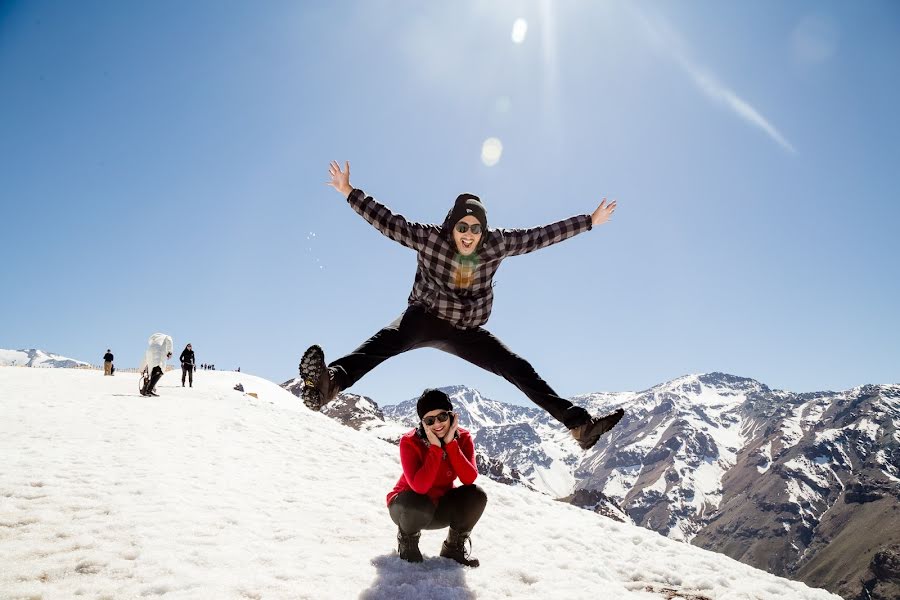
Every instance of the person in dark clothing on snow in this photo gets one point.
(187, 365)
(433, 456)
(451, 299)
(108, 363)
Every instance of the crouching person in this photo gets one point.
(433, 455)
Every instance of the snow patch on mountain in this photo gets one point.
(39, 359)
(765, 451)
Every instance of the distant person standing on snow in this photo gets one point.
(108, 363)
(433, 456)
(451, 300)
(159, 350)
(187, 365)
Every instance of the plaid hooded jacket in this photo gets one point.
(456, 288)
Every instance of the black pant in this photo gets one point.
(187, 369)
(155, 375)
(460, 509)
(416, 328)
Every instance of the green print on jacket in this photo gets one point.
(464, 270)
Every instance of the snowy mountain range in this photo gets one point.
(37, 358)
(802, 485)
(209, 492)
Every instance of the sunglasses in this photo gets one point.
(441, 416)
(464, 227)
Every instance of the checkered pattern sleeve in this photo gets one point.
(523, 241)
(394, 226)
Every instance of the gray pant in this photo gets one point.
(460, 509)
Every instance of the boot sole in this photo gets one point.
(311, 366)
(473, 563)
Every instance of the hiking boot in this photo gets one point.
(587, 434)
(319, 387)
(312, 364)
(454, 548)
(408, 546)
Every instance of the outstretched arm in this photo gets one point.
(339, 179)
(603, 212)
(394, 226)
(523, 241)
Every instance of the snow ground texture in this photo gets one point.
(212, 493)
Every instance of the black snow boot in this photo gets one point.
(588, 433)
(408, 546)
(454, 547)
(319, 387)
(149, 381)
(312, 364)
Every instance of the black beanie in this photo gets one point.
(432, 400)
(466, 205)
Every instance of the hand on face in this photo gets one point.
(467, 242)
(438, 429)
(432, 438)
(454, 427)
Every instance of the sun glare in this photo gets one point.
(491, 150)
(520, 28)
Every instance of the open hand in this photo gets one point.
(339, 179)
(454, 427)
(432, 438)
(603, 212)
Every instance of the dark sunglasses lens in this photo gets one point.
(442, 417)
(464, 227)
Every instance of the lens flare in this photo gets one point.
(491, 150)
(520, 28)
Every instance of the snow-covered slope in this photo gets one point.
(37, 358)
(212, 493)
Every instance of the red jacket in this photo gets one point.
(431, 470)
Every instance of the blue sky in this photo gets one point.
(163, 169)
